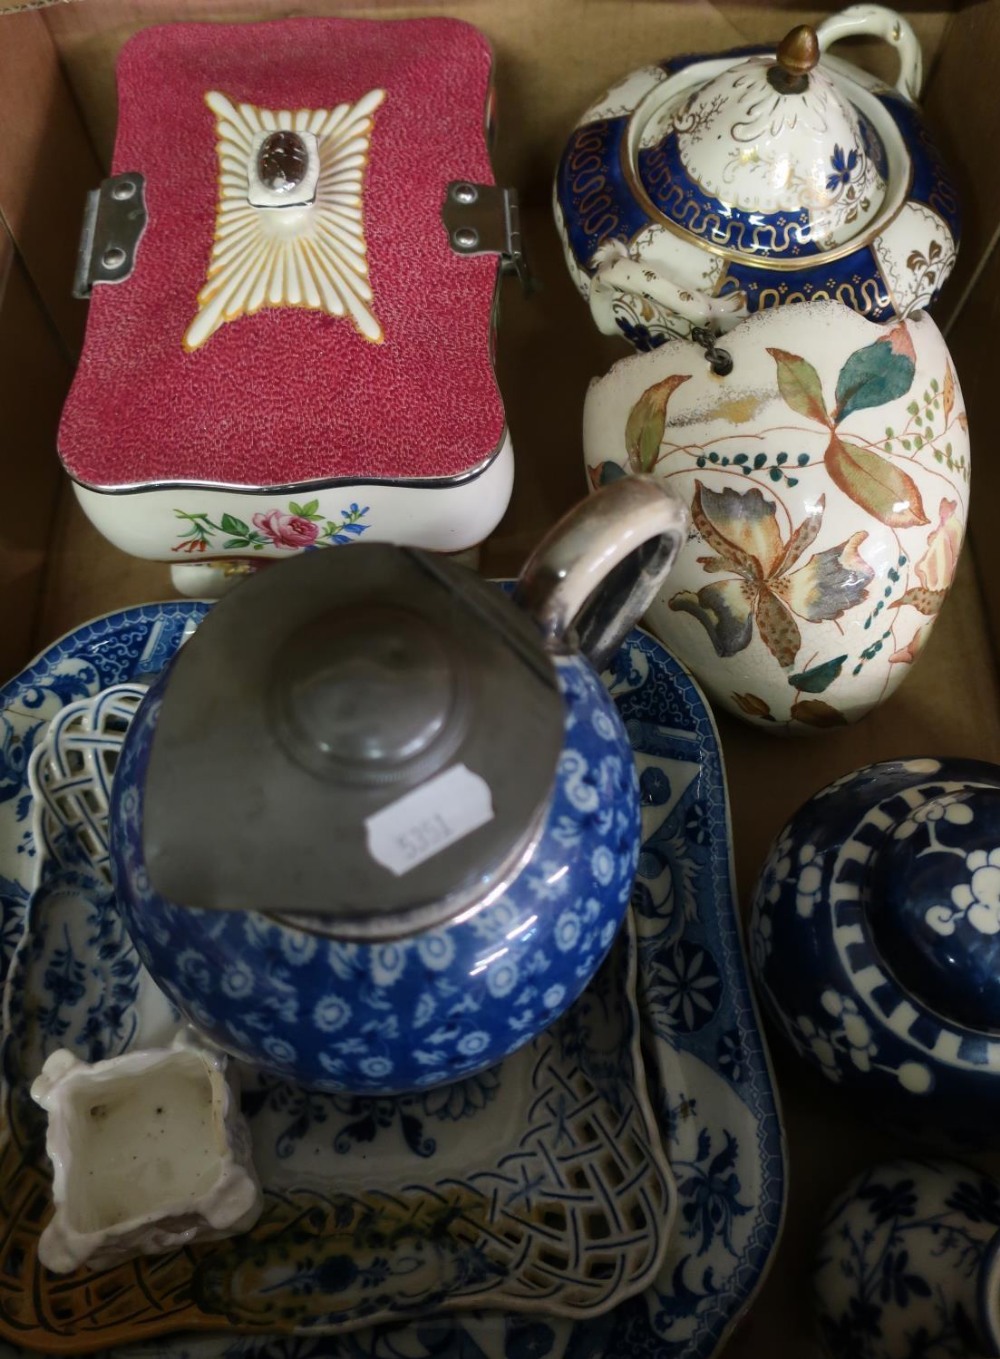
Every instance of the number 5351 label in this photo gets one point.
(427, 820)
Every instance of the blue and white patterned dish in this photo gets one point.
(540, 1185)
(709, 1078)
(547, 1189)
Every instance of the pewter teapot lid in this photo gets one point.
(368, 735)
(770, 137)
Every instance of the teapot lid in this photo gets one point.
(366, 738)
(767, 158)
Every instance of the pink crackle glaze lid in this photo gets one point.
(400, 388)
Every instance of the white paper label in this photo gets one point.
(428, 820)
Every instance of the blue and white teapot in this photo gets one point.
(702, 189)
(376, 826)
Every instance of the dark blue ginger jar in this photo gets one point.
(875, 941)
(908, 1264)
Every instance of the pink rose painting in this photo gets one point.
(298, 527)
(287, 530)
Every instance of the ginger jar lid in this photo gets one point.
(768, 157)
(931, 897)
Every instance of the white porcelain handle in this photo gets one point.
(596, 572)
(619, 275)
(875, 21)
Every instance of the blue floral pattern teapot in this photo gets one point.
(376, 826)
(703, 189)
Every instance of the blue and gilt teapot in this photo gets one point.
(376, 826)
(703, 189)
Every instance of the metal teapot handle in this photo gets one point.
(876, 21)
(596, 572)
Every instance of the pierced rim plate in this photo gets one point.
(710, 1080)
(540, 1186)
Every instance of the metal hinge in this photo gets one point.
(113, 222)
(482, 219)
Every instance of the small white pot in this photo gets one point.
(149, 1152)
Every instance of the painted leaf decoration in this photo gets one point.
(876, 484)
(778, 629)
(815, 713)
(647, 420)
(948, 393)
(927, 601)
(818, 677)
(726, 1157)
(603, 473)
(963, 420)
(753, 706)
(804, 536)
(880, 372)
(723, 610)
(735, 557)
(799, 384)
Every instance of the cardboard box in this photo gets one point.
(57, 118)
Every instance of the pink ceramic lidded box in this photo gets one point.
(292, 276)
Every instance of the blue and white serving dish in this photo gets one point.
(709, 1082)
(875, 940)
(702, 189)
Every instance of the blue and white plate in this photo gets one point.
(710, 1083)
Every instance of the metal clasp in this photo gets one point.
(483, 219)
(719, 360)
(113, 222)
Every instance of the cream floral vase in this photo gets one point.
(828, 479)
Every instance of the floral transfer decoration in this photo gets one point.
(900, 1261)
(806, 608)
(765, 589)
(297, 528)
